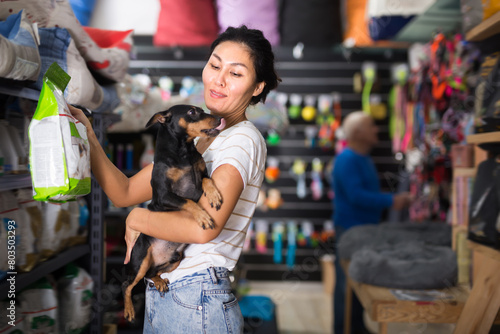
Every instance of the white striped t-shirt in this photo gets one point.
(243, 147)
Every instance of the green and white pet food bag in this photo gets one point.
(59, 148)
(39, 307)
(75, 292)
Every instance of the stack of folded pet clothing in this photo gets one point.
(19, 49)
(96, 60)
(400, 256)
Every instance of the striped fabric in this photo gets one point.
(243, 147)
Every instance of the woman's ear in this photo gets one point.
(259, 88)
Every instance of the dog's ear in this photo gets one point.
(159, 117)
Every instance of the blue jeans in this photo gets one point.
(357, 324)
(198, 303)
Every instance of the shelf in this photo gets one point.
(443, 16)
(488, 251)
(485, 29)
(484, 138)
(93, 250)
(384, 45)
(460, 228)
(115, 259)
(45, 268)
(464, 171)
(13, 88)
(15, 181)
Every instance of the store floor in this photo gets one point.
(305, 308)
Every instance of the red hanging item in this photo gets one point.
(186, 23)
(110, 38)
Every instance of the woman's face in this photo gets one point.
(229, 79)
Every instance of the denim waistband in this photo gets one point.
(210, 273)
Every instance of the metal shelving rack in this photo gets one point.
(92, 252)
(96, 232)
(45, 268)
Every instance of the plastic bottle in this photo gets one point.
(110, 151)
(11, 159)
(278, 231)
(119, 156)
(129, 161)
(148, 155)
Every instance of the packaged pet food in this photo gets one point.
(79, 216)
(9, 218)
(75, 299)
(39, 308)
(59, 148)
(55, 229)
(3, 254)
(8, 324)
(73, 224)
(29, 227)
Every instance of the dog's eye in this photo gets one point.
(191, 112)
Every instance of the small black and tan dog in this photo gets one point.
(179, 178)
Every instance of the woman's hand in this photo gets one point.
(79, 115)
(131, 234)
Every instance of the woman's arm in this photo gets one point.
(120, 189)
(180, 226)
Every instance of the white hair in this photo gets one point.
(352, 123)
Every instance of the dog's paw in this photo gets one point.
(205, 221)
(212, 194)
(215, 200)
(160, 284)
(129, 312)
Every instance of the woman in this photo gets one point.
(240, 72)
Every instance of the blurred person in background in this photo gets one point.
(358, 200)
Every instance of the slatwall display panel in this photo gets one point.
(319, 71)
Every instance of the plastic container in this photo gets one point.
(258, 307)
(119, 156)
(110, 151)
(21, 152)
(1, 164)
(148, 155)
(129, 160)
(11, 158)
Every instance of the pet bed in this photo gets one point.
(367, 236)
(400, 256)
(406, 265)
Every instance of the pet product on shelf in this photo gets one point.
(59, 148)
